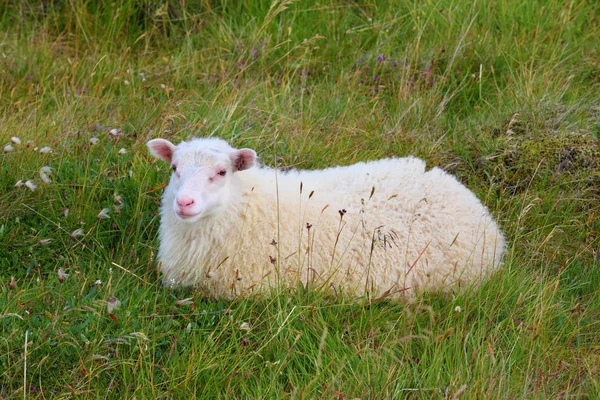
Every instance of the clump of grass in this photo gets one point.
(441, 81)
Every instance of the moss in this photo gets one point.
(552, 155)
(528, 154)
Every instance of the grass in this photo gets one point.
(503, 94)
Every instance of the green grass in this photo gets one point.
(504, 94)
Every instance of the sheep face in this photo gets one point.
(204, 174)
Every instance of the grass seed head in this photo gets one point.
(185, 302)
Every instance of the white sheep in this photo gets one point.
(382, 228)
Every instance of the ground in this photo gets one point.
(503, 94)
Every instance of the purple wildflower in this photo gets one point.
(376, 78)
(429, 75)
(394, 64)
(380, 58)
(255, 53)
(362, 81)
(359, 61)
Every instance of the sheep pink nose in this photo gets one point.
(185, 201)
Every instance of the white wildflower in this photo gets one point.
(29, 143)
(113, 304)
(118, 202)
(19, 184)
(15, 140)
(245, 326)
(114, 132)
(44, 242)
(98, 282)
(457, 309)
(44, 172)
(77, 232)
(103, 214)
(45, 150)
(62, 275)
(130, 172)
(163, 86)
(8, 148)
(94, 140)
(66, 212)
(126, 82)
(122, 151)
(32, 186)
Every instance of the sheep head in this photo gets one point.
(204, 174)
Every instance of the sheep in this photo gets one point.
(384, 228)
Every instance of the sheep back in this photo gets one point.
(382, 227)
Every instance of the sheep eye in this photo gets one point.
(222, 173)
(174, 167)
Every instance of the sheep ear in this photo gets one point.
(161, 148)
(243, 159)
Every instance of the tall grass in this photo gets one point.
(503, 94)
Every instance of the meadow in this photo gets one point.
(504, 94)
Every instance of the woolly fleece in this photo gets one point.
(405, 230)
